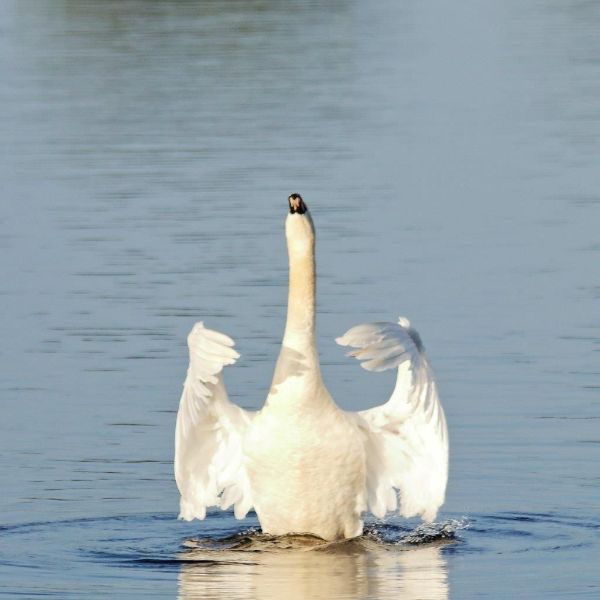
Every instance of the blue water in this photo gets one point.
(448, 154)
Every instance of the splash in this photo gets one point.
(426, 533)
(381, 534)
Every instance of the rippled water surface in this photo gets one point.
(449, 154)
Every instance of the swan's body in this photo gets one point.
(305, 465)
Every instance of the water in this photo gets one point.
(449, 155)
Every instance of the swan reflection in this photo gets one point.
(306, 569)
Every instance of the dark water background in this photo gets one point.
(449, 153)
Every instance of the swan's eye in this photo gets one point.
(297, 205)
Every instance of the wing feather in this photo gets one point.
(406, 439)
(209, 465)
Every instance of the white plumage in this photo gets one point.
(406, 438)
(305, 465)
(209, 466)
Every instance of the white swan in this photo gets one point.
(305, 465)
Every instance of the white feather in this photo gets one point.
(406, 439)
(209, 466)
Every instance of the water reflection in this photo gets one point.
(357, 569)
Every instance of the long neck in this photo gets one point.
(300, 324)
(297, 379)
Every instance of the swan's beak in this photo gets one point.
(297, 205)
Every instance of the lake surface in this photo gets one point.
(449, 154)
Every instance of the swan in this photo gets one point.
(302, 463)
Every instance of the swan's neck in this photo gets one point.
(297, 380)
(300, 325)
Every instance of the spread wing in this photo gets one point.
(209, 467)
(406, 439)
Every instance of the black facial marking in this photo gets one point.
(297, 205)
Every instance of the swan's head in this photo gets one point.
(299, 228)
(297, 206)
